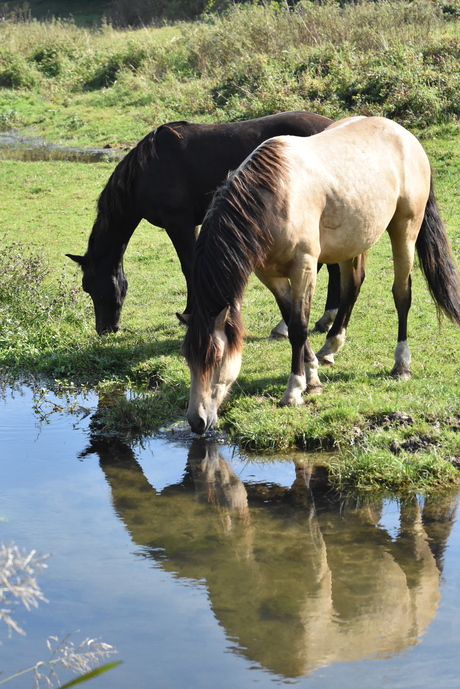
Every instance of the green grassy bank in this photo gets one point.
(108, 87)
(402, 436)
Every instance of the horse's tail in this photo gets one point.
(437, 262)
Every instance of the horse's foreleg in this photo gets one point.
(324, 323)
(352, 275)
(183, 236)
(304, 364)
(403, 259)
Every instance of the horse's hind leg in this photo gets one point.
(352, 275)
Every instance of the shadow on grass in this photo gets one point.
(279, 382)
(122, 357)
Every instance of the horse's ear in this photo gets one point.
(78, 259)
(183, 318)
(221, 319)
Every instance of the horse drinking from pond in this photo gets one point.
(169, 179)
(296, 202)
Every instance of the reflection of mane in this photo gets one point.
(297, 582)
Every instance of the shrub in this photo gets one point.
(109, 68)
(15, 71)
(50, 59)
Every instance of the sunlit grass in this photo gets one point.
(110, 87)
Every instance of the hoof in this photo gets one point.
(279, 332)
(291, 401)
(321, 327)
(326, 360)
(315, 389)
(276, 335)
(401, 373)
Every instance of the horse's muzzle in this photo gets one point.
(107, 329)
(199, 424)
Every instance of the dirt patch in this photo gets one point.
(452, 422)
(394, 419)
(414, 444)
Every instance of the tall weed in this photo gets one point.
(34, 307)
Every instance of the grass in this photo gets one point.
(402, 436)
(358, 416)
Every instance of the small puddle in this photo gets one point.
(13, 146)
(206, 567)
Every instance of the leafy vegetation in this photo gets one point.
(108, 87)
(395, 59)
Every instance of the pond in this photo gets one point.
(204, 567)
(15, 146)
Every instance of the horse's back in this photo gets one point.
(351, 181)
(205, 151)
(192, 159)
(359, 157)
(375, 142)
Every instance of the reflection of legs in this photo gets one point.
(351, 278)
(403, 259)
(438, 518)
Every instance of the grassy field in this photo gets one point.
(400, 436)
(108, 87)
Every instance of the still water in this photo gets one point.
(206, 568)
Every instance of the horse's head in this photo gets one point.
(107, 288)
(209, 384)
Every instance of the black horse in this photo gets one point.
(169, 179)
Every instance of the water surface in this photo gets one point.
(205, 567)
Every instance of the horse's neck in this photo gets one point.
(108, 241)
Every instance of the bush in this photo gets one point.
(33, 306)
(107, 71)
(15, 71)
(388, 58)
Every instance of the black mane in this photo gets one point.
(114, 200)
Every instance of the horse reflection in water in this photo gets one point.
(297, 580)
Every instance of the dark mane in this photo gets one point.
(234, 239)
(112, 203)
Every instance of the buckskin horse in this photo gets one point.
(169, 178)
(297, 202)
